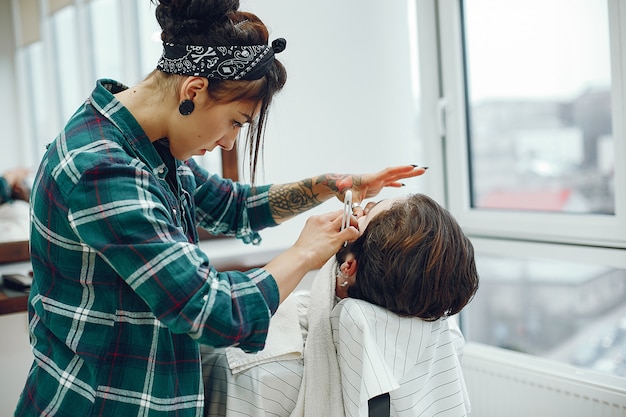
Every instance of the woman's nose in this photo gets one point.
(227, 143)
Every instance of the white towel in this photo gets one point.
(320, 392)
(284, 340)
(14, 221)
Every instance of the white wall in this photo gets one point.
(348, 105)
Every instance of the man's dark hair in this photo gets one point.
(415, 260)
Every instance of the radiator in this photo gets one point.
(502, 383)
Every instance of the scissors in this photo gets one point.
(347, 212)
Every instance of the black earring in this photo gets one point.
(186, 107)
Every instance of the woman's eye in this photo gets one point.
(237, 124)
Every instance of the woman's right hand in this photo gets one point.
(320, 239)
(322, 236)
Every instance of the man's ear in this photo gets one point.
(349, 265)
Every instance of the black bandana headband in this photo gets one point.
(247, 62)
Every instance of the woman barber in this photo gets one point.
(122, 294)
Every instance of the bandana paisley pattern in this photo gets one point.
(249, 62)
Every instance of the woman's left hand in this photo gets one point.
(369, 185)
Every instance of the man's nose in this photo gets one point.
(357, 211)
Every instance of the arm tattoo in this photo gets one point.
(339, 182)
(288, 200)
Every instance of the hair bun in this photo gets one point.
(171, 14)
(218, 9)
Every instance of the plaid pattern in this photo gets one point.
(5, 191)
(122, 294)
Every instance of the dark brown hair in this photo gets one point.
(415, 260)
(220, 23)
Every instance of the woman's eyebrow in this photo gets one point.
(247, 116)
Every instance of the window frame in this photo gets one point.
(566, 228)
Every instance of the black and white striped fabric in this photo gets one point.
(417, 362)
(266, 390)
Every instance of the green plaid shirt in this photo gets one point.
(5, 191)
(122, 295)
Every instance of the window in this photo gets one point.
(32, 57)
(149, 37)
(79, 42)
(65, 47)
(571, 311)
(107, 51)
(531, 95)
(539, 105)
(532, 98)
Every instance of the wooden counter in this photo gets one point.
(14, 258)
(11, 252)
(12, 304)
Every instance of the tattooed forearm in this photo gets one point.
(338, 183)
(288, 200)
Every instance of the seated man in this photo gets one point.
(411, 268)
